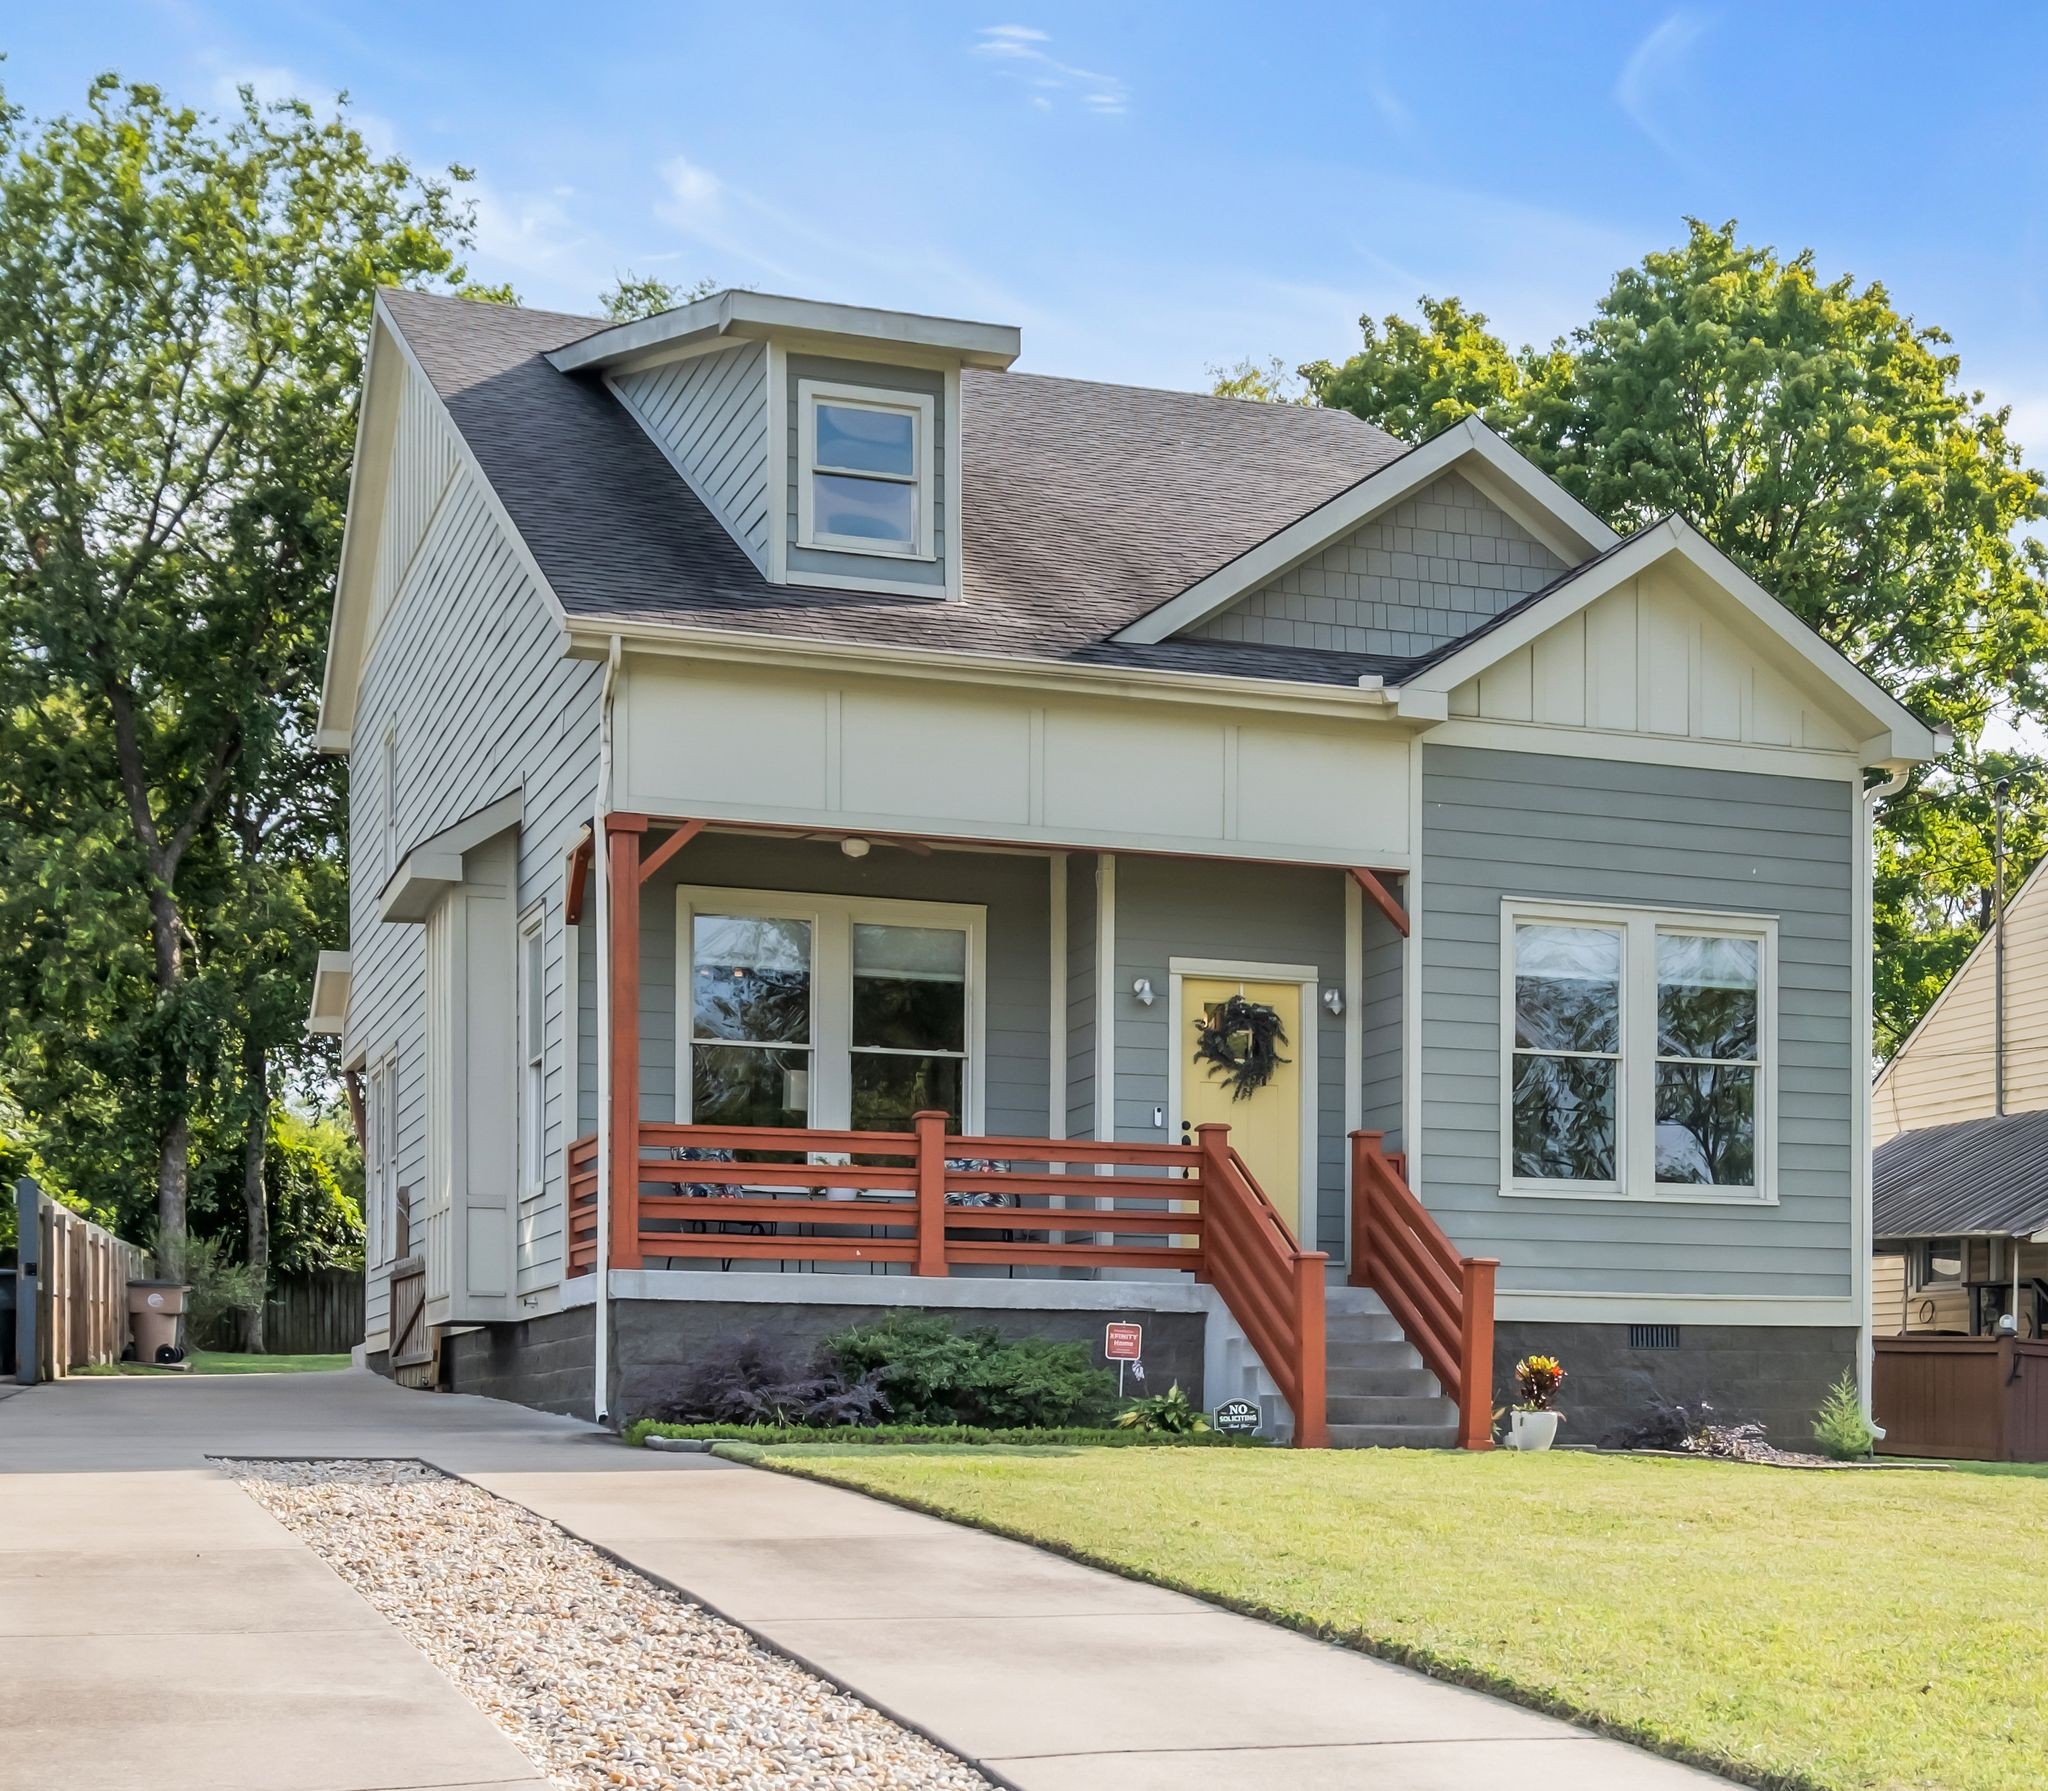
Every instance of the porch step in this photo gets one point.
(1393, 1436)
(1394, 1411)
(1379, 1383)
(1379, 1395)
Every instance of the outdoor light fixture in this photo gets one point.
(854, 847)
(1142, 988)
(1333, 999)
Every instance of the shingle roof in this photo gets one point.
(1087, 505)
(1978, 1175)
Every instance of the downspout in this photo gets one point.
(600, 892)
(1860, 1241)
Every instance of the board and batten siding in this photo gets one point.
(1946, 1069)
(709, 415)
(1501, 824)
(1430, 570)
(467, 674)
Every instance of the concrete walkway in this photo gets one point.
(163, 1631)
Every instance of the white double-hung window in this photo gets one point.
(829, 1011)
(864, 470)
(1637, 1053)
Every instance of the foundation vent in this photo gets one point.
(1653, 1336)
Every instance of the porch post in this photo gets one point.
(1475, 1353)
(622, 897)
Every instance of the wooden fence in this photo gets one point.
(1962, 1398)
(71, 1308)
(320, 1314)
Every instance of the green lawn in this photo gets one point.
(1867, 1629)
(208, 1361)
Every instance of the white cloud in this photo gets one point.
(695, 196)
(1649, 87)
(1021, 51)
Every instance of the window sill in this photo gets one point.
(1678, 1196)
(868, 550)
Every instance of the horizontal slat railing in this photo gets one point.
(919, 1198)
(1442, 1301)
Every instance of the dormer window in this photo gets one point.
(864, 472)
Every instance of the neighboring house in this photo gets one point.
(772, 721)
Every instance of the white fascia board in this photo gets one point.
(1538, 503)
(591, 638)
(1898, 734)
(434, 866)
(368, 473)
(752, 314)
(328, 1011)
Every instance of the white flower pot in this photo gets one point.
(1532, 1430)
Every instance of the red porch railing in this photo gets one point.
(805, 1195)
(1443, 1301)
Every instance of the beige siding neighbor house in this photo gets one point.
(833, 818)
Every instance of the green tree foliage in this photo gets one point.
(634, 295)
(1260, 382)
(1826, 443)
(183, 303)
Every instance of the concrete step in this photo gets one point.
(1371, 1352)
(1400, 1411)
(1393, 1436)
(1350, 1301)
(1388, 1383)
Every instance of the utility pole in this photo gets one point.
(1999, 792)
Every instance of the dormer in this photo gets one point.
(825, 438)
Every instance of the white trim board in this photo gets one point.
(1565, 1305)
(1538, 503)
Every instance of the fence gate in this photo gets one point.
(71, 1299)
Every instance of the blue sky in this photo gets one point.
(1149, 191)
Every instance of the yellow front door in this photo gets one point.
(1265, 1125)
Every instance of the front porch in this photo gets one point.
(798, 984)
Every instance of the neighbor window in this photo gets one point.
(829, 1011)
(864, 472)
(532, 1051)
(1942, 1261)
(1636, 1053)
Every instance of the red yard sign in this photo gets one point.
(1123, 1343)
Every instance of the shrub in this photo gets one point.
(944, 1436)
(933, 1374)
(222, 1289)
(752, 1379)
(1839, 1427)
(1169, 1413)
(1537, 1379)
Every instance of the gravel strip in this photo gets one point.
(602, 1678)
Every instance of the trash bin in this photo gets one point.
(156, 1314)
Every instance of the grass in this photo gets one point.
(210, 1361)
(1858, 1631)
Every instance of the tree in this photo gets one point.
(632, 295)
(183, 303)
(1826, 443)
(1260, 382)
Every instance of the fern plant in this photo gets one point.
(1170, 1414)
(1839, 1427)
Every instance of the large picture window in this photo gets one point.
(830, 1011)
(864, 470)
(1637, 1053)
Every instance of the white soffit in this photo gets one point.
(434, 866)
(745, 315)
(1896, 733)
(329, 1009)
(1537, 502)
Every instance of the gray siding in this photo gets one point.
(710, 415)
(467, 668)
(1015, 890)
(1082, 909)
(1167, 908)
(1431, 569)
(1380, 1026)
(885, 380)
(1499, 824)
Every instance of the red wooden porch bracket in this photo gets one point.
(685, 832)
(575, 880)
(1382, 898)
(622, 859)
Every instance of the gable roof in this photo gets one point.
(1085, 504)
(1978, 1176)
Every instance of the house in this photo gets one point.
(837, 823)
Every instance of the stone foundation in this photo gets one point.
(546, 1363)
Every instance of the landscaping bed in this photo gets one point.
(956, 1435)
(1846, 1632)
(603, 1679)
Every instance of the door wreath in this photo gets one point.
(1239, 1041)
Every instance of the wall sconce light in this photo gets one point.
(854, 847)
(1333, 999)
(1142, 988)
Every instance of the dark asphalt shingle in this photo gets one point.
(1977, 1175)
(1087, 505)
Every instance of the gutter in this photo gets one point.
(601, 1363)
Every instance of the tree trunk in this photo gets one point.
(256, 1207)
(174, 1149)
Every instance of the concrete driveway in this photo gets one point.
(162, 1631)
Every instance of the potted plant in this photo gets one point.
(1533, 1422)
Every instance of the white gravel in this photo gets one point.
(602, 1678)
